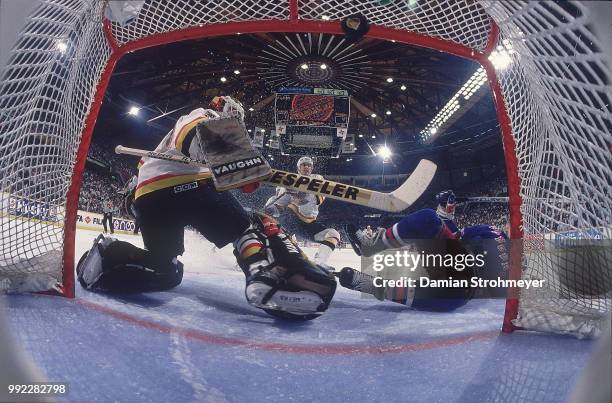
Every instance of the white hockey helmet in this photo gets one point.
(305, 160)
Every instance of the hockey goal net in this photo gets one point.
(552, 100)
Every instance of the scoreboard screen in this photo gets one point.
(324, 110)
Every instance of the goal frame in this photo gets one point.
(296, 25)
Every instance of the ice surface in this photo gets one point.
(202, 342)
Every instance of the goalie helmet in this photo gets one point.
(227, 107)
(446, 204)
(305, 160)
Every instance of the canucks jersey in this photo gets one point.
(155, 174)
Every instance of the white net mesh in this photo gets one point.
(45, 94)
(555, 91)
(159, 16)
(460, 22)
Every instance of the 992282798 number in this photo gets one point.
(38, 388)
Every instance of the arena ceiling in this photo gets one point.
(403, 85)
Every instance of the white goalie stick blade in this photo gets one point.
(394, 202)
(404, 196)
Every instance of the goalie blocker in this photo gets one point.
(227, 148)
(232, 159)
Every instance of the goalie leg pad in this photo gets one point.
(112, 265)
(269, 297)
(280, 279)
(298, 287)
(299, 296)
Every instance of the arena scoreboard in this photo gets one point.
(317, 107)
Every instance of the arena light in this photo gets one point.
(471, 86)
(389, 79)
(500, 59)
(236, 71)
(62, 46)
(223, 79)
(249, 130)
(388, 113)
(304, 66)
(134, 110)
(323, 66)
(373, 115)
(384, 152)
(251, 109)
(403, 87)
(361, 135)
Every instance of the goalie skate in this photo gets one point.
(232, 159)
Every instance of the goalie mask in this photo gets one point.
(227, 107)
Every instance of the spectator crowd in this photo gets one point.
(99, 187)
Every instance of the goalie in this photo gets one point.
(170, 196)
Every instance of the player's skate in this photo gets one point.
(364, 244)
(280, 280)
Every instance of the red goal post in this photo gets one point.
(552, 118)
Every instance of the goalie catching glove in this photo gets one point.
(279, 278)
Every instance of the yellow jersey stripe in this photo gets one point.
(182, 134)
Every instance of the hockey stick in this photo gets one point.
(396, 201)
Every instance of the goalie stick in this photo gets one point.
(395, 201)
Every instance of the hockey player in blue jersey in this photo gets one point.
(446, 210)
(425, 229)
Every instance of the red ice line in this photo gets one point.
(286, 348)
